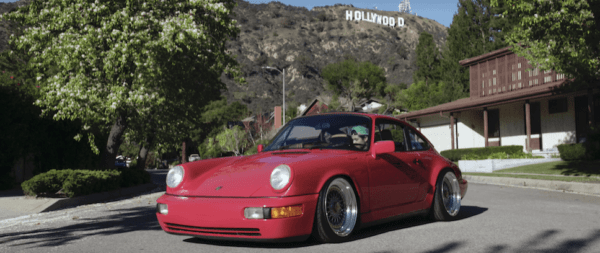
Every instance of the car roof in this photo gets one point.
(370, 115)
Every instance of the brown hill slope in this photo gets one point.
(303, 42)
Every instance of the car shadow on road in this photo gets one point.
(118, 222)
(465, 213)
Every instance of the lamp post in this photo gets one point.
(283, 73)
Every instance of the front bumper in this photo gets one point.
(463, 184)
(223, 218)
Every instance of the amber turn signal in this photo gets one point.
(285, 212)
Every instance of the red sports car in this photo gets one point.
(325, 175)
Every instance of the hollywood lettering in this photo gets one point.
(374, 18)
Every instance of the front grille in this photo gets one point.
(177, 228)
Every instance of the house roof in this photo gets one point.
(498, 99)
(493, 54)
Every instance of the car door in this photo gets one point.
(420, 158)
(393, 180)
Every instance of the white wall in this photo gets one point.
(470, 129)
(557, 128)
(437, 130)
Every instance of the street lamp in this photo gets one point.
(283, 73)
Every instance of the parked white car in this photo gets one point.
(195, 157)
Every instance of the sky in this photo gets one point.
(441, 11)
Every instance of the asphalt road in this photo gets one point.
(492, 219)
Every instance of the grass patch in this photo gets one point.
(563, 168)
(541, 177)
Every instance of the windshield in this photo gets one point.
(349, 132)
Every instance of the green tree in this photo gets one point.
(233, 140)
(354, 80)
(428, 60)
(558, 35)
(420, 95)
(476, 29)
(127, 64)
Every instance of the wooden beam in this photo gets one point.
(485, 127)
(528, 124)
(452, 129)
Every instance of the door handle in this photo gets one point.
(418, 161)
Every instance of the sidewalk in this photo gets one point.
(13, 203)
(590, 188)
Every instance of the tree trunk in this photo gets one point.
(183, 152)
(143, 154)
(114, 141)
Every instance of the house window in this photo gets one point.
(490, 91)
(513, 86)
(547, 79)
(530, 82)
(503, 89)
(535, 81)
(519, 75)
(519, 65)
(560, 76)
(494, 72)
(494, 123)
(546, 71)
(482, 84)
(514, 77)
(494, 81)
(536, 72)
(494, 90)
(490, 82)
(519, 84)
(483, 75)
(558, 105)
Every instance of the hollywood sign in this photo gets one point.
(374, 18)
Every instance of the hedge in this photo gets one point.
(83, 182)
(570, 152)
(456, 154)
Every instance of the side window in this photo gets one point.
(390, 131)
(416, 141)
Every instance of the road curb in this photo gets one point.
(574, 187)
(59, 203)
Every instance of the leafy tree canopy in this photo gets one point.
(354, 80)
(133, 64)
(233, 140)
(428, 59)
(420, 95)
(558, 35)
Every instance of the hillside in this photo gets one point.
(303, 42)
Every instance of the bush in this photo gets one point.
(569, 152)
(46, 183)
(457, 154)
(83, 182)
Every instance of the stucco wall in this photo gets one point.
(470, 129)
(437, 130)
(557, 128)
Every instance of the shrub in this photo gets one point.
(85, 182)
(569, 152)
(46, 183)
(456, 154)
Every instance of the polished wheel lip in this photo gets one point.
(451, 194)
(347, 204)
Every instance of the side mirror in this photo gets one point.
(383, 147)
(260, 148)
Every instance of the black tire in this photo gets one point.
(446, 201)
(337, 212)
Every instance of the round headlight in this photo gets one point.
(280, 176)
(175, 176)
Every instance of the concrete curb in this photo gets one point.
(574, 187)
(53, 204)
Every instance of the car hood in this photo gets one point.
(246, 176)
